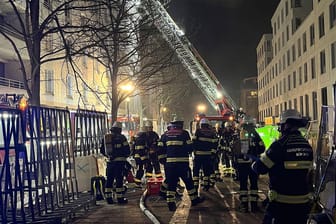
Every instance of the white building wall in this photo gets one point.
(271, 102)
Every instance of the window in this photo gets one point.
(280, 87)
(299, 47)
(48, 42)
(289, 82)
(296, 3)
(284, 85)
(49, 81)
(46, 4)
(85, 92)
(288, 58)
(307, 105)
(321, 25)
(301, 104)
(305, 72)
(314, 103)
(333, 55)
(282, 16)
(294, 80)
(322, 62)
(295, 104)
(286, 8)
(300, 76)
(312, 66)
(289, 104)
(293, 53)
(304, 42)
(69, 86)
(287, 33)
(332, 13)
(324, 96)
(312, 34)
(67, 13)
(2, 69)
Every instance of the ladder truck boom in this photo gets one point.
(198, 70)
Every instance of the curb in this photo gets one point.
(145, 210)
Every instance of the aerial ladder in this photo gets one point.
(198, 70)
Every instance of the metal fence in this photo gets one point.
(37, 165)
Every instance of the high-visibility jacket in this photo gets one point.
(288, 162)
(175, 145)
(205, 142)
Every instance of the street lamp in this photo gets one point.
(201, 108)
(128, 115)
(127, 88)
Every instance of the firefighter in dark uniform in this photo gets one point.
(177, 145)
(140, 155)
(226, 138)
(205, 143)
(288, 162)
(117, 149)
(251, 147)
(152, 164)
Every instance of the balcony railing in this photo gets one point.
(11, 83)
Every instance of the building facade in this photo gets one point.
(297, 62)
(249, 97)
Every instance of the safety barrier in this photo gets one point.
(89, 129)
(37, 166)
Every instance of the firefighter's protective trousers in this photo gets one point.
(114, 172)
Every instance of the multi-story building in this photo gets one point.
(249, 97)
(60, 86)
(297, 62)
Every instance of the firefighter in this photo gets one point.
(251, 147)
(177, 145)
(205, 142)
(226, 138)
(140, 155)
(151, 142)
(288, 162)
(116, 148)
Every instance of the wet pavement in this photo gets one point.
(221, 206)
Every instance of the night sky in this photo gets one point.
(226, 34)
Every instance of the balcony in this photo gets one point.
(10, 86)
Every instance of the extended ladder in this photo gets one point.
(199, 72)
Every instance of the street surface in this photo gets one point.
(221, 206)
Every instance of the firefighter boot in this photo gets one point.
(172, 206)
(254, 207)
(197, 201)
(122, 200)
(243, 207)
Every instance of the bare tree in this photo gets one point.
(34, 28)
(128, 45)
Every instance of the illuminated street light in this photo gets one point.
(201, 108)
(127, 87)
(128, 115)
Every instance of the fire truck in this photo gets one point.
(130, 125)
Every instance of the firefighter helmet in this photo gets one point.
(117, 124)
(228, 124)
(148, 124)
(292, 115)
(177, 123)
(204, 121)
